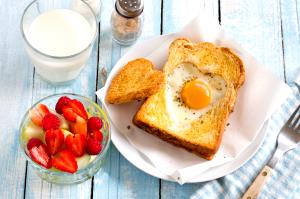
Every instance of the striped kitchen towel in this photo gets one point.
(285, 179)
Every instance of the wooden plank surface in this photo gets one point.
(290, 12)
(121, 179)
(176, 15)
(15, 96)
(256, 25)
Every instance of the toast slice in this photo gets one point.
(202, 135)
(137, 80)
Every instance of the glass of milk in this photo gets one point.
(58, 37)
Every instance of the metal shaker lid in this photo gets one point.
(130, 8)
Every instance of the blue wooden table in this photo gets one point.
(267, 29)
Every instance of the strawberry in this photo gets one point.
(62, 101)
(94, 124)
(79, 127)
(65, 161)
(73, 109)
(93, 146)
(54, 140)
(34, 142)
(39, 155)
(78, 108)
(69, 114)
(96, 135)
(50, 121)
(38, 113)
(76, 144)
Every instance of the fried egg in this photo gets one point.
(190, 93)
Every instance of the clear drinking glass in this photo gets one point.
(57, 69)
(58, 177)
(95, 5)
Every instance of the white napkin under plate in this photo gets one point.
(257, 99)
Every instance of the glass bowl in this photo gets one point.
(59, 177)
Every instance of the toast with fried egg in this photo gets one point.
(192, 107)
(137, 80)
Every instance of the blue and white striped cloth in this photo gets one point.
(285, 179)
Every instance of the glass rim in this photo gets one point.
(61, 173)
(53, 56)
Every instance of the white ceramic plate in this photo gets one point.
(133, 156)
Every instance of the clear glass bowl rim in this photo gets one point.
(51, 56)
(60, 173)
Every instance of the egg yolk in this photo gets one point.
(196, 94)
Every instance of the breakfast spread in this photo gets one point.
(191, 107)
(136, 81)
(65, 139)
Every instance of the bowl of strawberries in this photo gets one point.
(65, 138)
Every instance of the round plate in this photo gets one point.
(133, 156)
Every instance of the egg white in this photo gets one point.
(181, 114)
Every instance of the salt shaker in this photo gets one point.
(127, 21)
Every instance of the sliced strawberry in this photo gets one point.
(34, 142)
(51, 121)
(94, 124)
(93, 146)
(38, 113)
(79, 127)
(76, 144)
(96, 135)
(39, 155)
(65, 161)
(62, 101)
(69, 114)
(54, 140)
(78, 108)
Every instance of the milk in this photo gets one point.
(64, 37)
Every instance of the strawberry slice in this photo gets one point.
(96, 135)
(78, 108)
(69, 114)
(50, 121)
(38, 113)
(39, 155)
(33, 142)
(76, 144)
(79, 127)
(65, 161)
(54, 140)
(94, 124)
(62, 101)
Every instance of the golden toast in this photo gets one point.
(204, 134)
(137, 80)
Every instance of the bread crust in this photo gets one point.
(205, 135)
(137, 80)
(170, 138)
